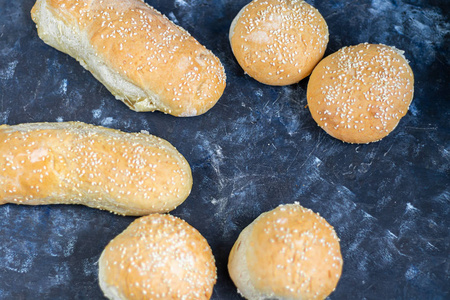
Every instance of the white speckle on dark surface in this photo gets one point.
(173, 18)
(413, 109)
(182, 3)
(59, 275)
(410, 209)
(257, 148)
(411, 273)
(63, 87)
(90, 266)
(96, 113)
(4, 115)
(8, 71)
(17, 260)
(107, 122)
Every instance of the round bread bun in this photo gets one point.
(278, 42)
(359, 93)
(157, 257)
(287, 253)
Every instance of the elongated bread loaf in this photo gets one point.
(157, 257)
(143, 59)
(77, 163)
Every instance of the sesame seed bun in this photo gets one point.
(157, 257)
(359, 93)
(77, 163)
(278, 42)
(141, 57)
(287, 253)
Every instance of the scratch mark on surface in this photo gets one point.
(420, 128)
(388, 150)
(392, 234)
(432, 246)
(296, 154)
(308, 156)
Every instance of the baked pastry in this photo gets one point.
(278, 42)
(77, 163)
(158, 257)
(287, 253)
(140, 56)
(359, 93)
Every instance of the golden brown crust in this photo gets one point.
(360, 93)
(278, 42)
(158, 257)
(287, 253)
(144, 59)
(77, 163)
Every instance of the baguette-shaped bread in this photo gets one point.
(141, 57)
(76, 163)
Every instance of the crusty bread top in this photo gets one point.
(290, 253)
(360, 93)
(73, 162)
(158, 257)
(147, 49)
(278, 42)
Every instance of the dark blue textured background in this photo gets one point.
(258, 147)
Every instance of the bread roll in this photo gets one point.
(287, 253)
(77, 163)
(360, 93)
(278, 42)
(141, 57)
(158, 257)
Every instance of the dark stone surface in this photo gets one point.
(258, 147)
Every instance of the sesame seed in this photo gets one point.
(73, 161)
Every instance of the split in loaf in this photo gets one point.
(141, 57)
(77, 163)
